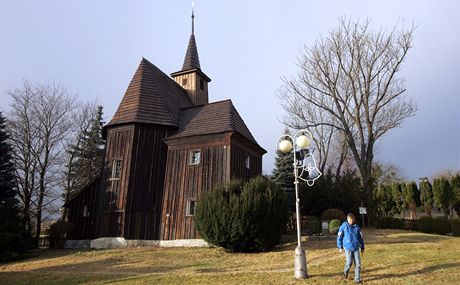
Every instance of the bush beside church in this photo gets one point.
(241, 217)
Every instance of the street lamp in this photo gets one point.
(305, 162)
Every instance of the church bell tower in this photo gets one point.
(191, 78)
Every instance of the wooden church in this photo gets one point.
(165, 146)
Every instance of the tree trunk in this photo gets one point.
(41, 194)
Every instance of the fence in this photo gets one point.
(44, 241)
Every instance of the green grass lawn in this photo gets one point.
(391, 257)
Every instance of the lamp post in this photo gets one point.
(304, 161)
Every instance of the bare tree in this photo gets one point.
(332, 149)
(24, 139)
(39, 122)
(82, 119)
(351, 77)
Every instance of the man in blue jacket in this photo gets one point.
(350, 238)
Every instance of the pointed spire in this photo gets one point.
(191, 60)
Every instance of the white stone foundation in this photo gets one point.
(119, 242)
(112, 242)
(84, 243)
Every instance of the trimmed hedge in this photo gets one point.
(441, 225)
(334, 226)
(455, 227)
(425, 224)
(396, 224)
(390, 223)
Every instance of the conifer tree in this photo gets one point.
(411, 197)
(283, 175)
(385, 205)
(455, 183)
(442, 194)
(85, 152)
(396, 192)
(426, 195)
(90, 153)
(11, 227)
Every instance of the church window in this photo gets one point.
(201, 84)
(195, 157)
(247, 162)
(190, 207)
(85, 211)
(184, 81)
(116, 169)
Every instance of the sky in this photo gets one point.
(93, 48)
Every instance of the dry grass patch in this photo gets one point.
(391, 257)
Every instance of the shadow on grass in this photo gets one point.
(371, 236)
(41, 253)
(425, 270)
(110, 269)
(58, 274)
(289, 242)
(412, 238)
(368, 276)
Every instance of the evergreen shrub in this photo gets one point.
(243, 217)
(425, 224)
(304, 220)
(455, 226)
(314, 226)
(331, 214)
(441, 225)
(58, 232)
(334, 226)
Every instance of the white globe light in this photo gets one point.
(285, 146)
(302, 142)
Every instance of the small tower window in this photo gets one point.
(85, 211)
(190, 208)
(184, 81)
(116, 169)
(247, 162)
(201, 84)
(195, 157)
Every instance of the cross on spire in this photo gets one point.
(193, 21)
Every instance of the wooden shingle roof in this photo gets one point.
(213, 118)
(191, 60)
(152, 97)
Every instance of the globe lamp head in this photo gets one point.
(302, 142)
(285, 146)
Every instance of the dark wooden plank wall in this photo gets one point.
(83, 227)
(145, 190)
(239, 151)
(184, 181)
(112, 202)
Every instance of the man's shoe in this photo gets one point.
(345, 276)
(359, 282)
